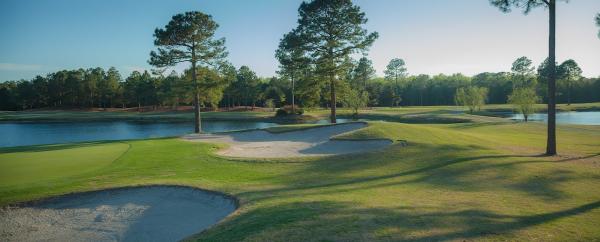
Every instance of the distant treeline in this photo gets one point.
(96, 87)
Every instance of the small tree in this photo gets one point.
(270, 104)
(522, 69)
(568, 72)
(362, 73)
(109, 86)
(394, 71)
(355, 100)
(249, 85)
(293, 61)
(524, 100)
(471, 97)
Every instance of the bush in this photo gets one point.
(270, 104)
(280, 113)
(287, 110)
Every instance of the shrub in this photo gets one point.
(524, 100)
(270, 104)
(472, 97)
(287, 110)
(280, 113)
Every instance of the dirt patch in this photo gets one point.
(154, 213)
(308, 142)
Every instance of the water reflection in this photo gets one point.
(19, 134)
(584, 118)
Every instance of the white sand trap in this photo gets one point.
(154, 213)
(308, 142)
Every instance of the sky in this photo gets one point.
(433, 36)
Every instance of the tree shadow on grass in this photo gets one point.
(481, 124)
(394, 154)
(434, 117)
(341, 221)
(444, 170)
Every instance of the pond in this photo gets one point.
(37, 133)
(583, 118)
(339, 121)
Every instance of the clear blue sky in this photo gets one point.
(433, 36)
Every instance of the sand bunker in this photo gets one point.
(308, 142)
(155, 213)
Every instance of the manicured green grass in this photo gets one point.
(42, 164)
(482, 180)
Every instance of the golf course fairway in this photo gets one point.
(463, 181)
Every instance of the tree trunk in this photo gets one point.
(196, 113)
(569, 93)
(293, 105)
(525, 116)
(551, 142)
(333, 99)
(396, 92)
(196, 100)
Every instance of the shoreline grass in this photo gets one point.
(413, 114)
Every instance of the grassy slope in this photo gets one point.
(453, 181)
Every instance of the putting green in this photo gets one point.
(39, 164)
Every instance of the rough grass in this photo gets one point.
(467, 181)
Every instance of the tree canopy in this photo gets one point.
(330, 31)
(293, 60)
(522, 66)
(362, 73)
(394, 71)
(189, 37)
(523, 69)
(568, 72)
(524, 99)
(64, 89)
(598, 23)
(472, 97)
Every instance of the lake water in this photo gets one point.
(584, 118)
(19, 134)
